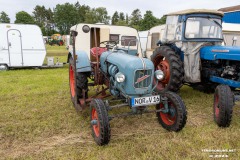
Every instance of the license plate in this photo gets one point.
(143, 101)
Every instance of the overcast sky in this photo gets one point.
(158, 7)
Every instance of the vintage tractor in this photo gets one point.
(56, 39)
(118, 75)
(190, 51)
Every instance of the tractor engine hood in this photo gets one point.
(220, 52)
(138, 72)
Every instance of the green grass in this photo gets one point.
(56, 51)
(38, 121)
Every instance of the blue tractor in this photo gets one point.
(119, 76)
(191, 52)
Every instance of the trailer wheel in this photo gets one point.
(101, 131)
(173, 119)
(3, 67)
(80, 82)
(170, 63)
(223, 105)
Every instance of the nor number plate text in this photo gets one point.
(145, 101)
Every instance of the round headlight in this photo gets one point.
(120, 77)
(159, 75)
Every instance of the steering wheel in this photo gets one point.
(109, 44)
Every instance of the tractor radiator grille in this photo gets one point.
(142, 78)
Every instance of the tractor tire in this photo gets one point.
(223, 105)
(81, 83)
(101, 131)
(165, 59)
(176, 117)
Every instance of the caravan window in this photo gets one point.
(129, 41)
(114, 37)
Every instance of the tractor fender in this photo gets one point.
(82, 61)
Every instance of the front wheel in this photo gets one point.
(101, 131)
(173, 116)
(223, 105)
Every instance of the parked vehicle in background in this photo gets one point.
(231, 34)
(190, 51)
(109, 58)
(56, 39)
(21, 45)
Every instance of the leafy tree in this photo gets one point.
(127, 19)
(115, 18)
(121, 23)
(24, 18)
(162, 20)
(4, 17)
(121, 16)
(39, 15)
(148, 21)
(98, 15)
(65, 16)
(135, 19)
(82, 11)
(49, 23)
(49, 16)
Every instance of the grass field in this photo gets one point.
(38, 121)
(56, 51)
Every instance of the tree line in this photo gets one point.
(63, 16)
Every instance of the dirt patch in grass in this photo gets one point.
(19, 149)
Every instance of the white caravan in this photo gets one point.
(21, 46)
(124, 36)
(153, 36)
(231, 33)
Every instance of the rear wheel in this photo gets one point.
(223, 105)
(101, 131)
(77, 85)
(165, 59)
(175, 116)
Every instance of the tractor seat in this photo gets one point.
(97, 51)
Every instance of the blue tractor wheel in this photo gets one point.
(223, 105)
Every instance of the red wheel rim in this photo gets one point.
(216, 106)
(72, 81)
(163, 65)
(167, 118)
(96, 126)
